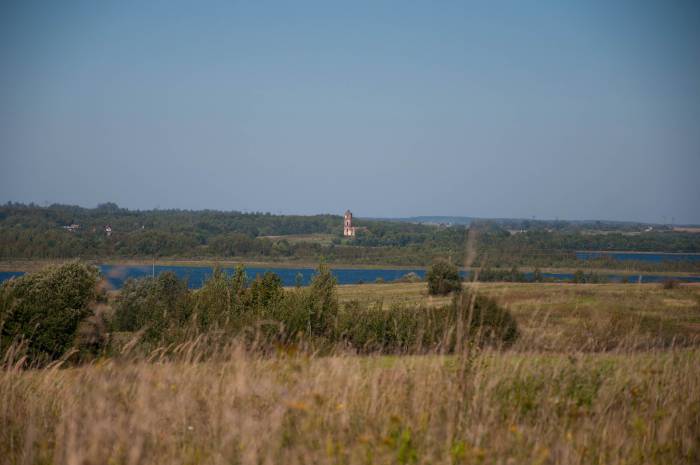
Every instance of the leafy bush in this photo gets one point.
(410, 277)
(266, 291)
(443, 278)
(152, 305)
(469, 319)
(588, 278)
(164, 309)
(44, 309)
(487, 274)
(488, 321)
(265, 314)
(322, 302)
(218, 301)
(670, 283)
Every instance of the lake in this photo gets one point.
(116, 275)
(641, 256)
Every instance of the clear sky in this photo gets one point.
(575, 110)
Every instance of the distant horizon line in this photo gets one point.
(390, 218)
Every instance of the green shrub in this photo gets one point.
(266, 291)
(44, 309)
(153, 305)
(322, 302)
(307, 315)
(488, 321)
(669, 283)
(478, 320)
(443, 278)
(410, 277)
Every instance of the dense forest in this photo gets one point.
(63, 231)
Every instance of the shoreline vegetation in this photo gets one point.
(31, 265)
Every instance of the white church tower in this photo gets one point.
(348, 228)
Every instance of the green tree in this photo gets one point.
(443, 278)
(239, 280)
(154, 305)
(266, 290)
(215, 301)
(323, 301)
(44, 309)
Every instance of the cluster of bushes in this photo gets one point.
(164, 311)
(469, 319)
(514, 275)
(409, 277)
(589, 278)
(61, 311)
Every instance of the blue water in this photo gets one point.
(116, 275)
(5, 275)
(642, 257)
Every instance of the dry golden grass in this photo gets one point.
(563, 317)
(488, 408)
(554, 398)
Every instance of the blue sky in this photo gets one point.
(575, 110)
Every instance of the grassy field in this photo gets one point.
(603, 374)
(323, 239)
(564, 317)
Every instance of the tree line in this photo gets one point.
(34, 232)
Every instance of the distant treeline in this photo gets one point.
(30, 231)
(34, 232)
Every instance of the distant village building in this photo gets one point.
(72, 228)
(348, 228)
(108, 230)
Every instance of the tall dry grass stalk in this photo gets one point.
(239, 407)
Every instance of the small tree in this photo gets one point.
(153, 305)
(323, 301)
(266, 290)
(215, 301)
(44, 309)
(443, 278)
(537, 276)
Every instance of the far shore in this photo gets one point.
(30, 265)
(627, 252)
